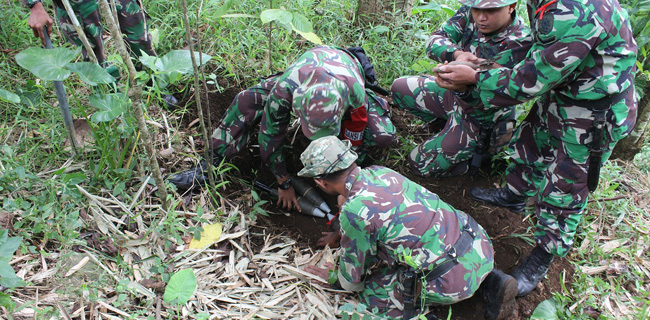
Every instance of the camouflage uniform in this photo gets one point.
(583, 52)
(132, 21)
(273, 99)
(449, 152)
(385, 213)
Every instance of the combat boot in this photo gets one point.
(499, 290)
(194, 177)
(501, 197)
(530, 272)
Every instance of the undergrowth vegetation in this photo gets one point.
(53, 201)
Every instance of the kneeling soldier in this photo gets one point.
(418, 249)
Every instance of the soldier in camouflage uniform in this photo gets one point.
(132, 21)
(399, 240)
(325, 89)
(581, 68)
(480, 30)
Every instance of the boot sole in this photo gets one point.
(506, 308)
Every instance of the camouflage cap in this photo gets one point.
(320, 108)
(486, 4)
(326, 155)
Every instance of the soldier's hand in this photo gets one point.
(287, 199)
(39, 18)
(322, 273)
(455, 77)
(465, 56)
(331, 239)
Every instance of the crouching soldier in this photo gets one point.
(402, 246)
(326, 89)
(486, 33)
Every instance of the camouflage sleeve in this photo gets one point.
(359, 247)
(443, 42)
(563, 42)
(273, 127)
(30, 3)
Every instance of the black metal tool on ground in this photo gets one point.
(63, 101)
(307, 207)
(310, 193)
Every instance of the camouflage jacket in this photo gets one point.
(583, 50)
(387, 217)
(307, 70)
(506, 48)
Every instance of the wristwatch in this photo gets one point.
(286, 184)
(32, 3)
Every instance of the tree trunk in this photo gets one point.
(627, 148)
(383, 11)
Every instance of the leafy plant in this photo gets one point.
(181, 287)
(291, 21)
(8, 277)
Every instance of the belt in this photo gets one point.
(462, 246)
(600, 104)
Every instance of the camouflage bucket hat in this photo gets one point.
(320, 108)
(326, 155)
(486, 4)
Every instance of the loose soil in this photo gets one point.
(502, 225)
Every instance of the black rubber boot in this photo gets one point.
(530, 272)
(170, 101)
(194, 177)
(499, 290)
(501, 197)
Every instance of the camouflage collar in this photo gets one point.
(350, 180)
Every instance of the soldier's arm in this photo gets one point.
(38, 18)
(551, 61)
(359, 251)
(444, 42)
(273, 128)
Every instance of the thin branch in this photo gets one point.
(80, 31)
(135, 93)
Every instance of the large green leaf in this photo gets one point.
(181, 287)
(279, 15)
(90, 73)
(110, 106)
(175, 61)
(301, 23)
(546, 310)
(8, 246)
(311, 37)
(9, 96)
(47, 64)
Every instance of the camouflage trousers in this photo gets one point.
(553, 170)
(246, 110)
(131, 18)
(384, 291)
(449, 152)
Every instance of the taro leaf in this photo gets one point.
(8, 246)
(181, 287)
(47, 64)
(311, 37)
(9, 96)
(110, 106)
(279, 15)
(301, 23)
(176, 61)
(8, 276)
(431, 6)
(90, 73)
(546, 310)
(149, 61)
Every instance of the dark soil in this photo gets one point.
(500, 223)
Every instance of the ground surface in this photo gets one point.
(504, 227)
